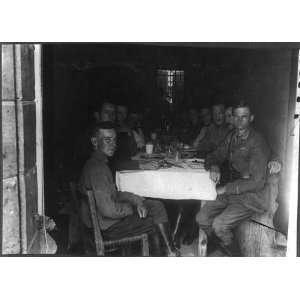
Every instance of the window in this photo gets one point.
(170, 84)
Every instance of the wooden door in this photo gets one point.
(20, 204)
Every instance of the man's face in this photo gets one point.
(242, 118)
(121, 113)
(218, 114)
(229, 116)
(108, 113)
(106, 141)
(205, 116)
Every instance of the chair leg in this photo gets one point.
(145, 246)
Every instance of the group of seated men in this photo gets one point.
(237, 156)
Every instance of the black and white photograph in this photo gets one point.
(149, 149)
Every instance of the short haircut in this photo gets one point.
(101, 125)
(106, 102)
(242, 104)
(218, 104)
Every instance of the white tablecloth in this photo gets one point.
(173, 183)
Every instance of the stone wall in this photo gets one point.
(19, 201)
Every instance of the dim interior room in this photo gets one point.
(77, 78)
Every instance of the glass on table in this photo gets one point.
(149, 148)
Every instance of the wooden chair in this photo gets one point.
(257, 236)
(103, 246)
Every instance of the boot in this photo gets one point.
(165, 233)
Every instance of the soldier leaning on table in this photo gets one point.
(239, 198)
(122, 213)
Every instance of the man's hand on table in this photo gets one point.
(151, 165)
(215, 174)
(142, 210)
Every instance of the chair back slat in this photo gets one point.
(97, 231)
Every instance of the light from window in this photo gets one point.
(170, 84)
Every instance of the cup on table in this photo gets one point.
(149, 148)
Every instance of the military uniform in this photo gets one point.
(112, 206)
(247, 157)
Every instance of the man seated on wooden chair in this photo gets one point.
(122, 214)
(247, 155)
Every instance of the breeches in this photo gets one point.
(134, 225)
(222, 216)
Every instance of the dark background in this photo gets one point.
(78, 77)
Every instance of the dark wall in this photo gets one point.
(79, 77)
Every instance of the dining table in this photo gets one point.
(175, 179)
(181, 179)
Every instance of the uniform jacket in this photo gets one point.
(111, 204)
(248, 156)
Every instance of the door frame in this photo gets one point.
(39, 126)
(1, 161)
